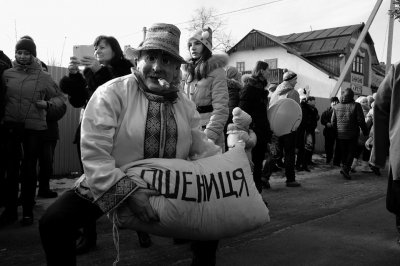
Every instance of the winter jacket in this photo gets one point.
(80, 87)
(25, 85)
(284, 90)
(310, 117)
(387, 122)
(348, 118)
(252, 101)
(118, 128)
(212, 92)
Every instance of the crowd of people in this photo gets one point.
(155, 105)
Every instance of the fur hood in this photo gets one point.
(284, 88)
(249, 80)
(214, 62)
(234, 84)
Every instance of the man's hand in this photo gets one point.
(139, 204)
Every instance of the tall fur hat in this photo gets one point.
(26, 44)
(204, 36)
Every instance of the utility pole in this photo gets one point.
(390, 38)
(62, 51)
(15, 29)
(353, 53)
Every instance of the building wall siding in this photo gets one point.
(66, 159)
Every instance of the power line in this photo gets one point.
(235, 11)
(217, 15)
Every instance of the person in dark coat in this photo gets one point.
(310, 127)
(49, 143)
(329, 132)
(49, 140)
(107, 63)
(347, 119)
(252, 101)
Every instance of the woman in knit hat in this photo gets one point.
(205, 84)
(29, 91)
(286, 90)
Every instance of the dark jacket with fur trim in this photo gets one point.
(211, 91)
(252, 100)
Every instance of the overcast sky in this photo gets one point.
(57, 25)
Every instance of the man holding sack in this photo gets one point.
(139, 116)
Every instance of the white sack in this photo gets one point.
(211, 198)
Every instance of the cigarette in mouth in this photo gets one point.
(163, 83)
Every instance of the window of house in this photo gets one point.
(358, 65)
(272, 63)
(240, 66)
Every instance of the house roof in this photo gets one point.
(289, 48)
(318, 42)
(325, 41)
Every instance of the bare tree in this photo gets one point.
(396, 11)
(207, 17)
(52, 61)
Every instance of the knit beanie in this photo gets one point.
(241, 119)
(204, 36)
(26, 44)
(288, 75)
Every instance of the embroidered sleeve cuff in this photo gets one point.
(116, 194)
